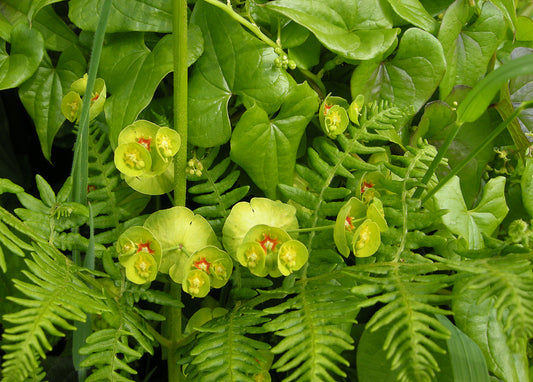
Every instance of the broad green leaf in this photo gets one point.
(468, 49)
(479, 322)
(41, 95)
(409, 79)
(373, 365)
(483, 219)
(415, 13)
(37, 5)
(508, 9)
(468, 363)
(306, 55)
(27, 49)
(125, 15)
(233, 63)
(524, 29)
(5, 27)
(521, 90)
(477, 101)
(57, 35)
(265, 148)
(352, 29)
(132, 73)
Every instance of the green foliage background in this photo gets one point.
(438, 95)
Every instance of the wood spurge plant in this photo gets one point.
(255, 190)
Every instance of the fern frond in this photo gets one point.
(315, 326)
(411, 298)
(225, 350)
(109, 350)
(509, 281)
(112, 199)
(56, 295)
(215, 190)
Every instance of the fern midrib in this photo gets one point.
(115, 345)
(101, 168)
(516, 299)
(405, 296)
(325, 186)
(311, 326)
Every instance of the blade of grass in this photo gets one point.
(179, 46)
(501, 127)
(80, 172)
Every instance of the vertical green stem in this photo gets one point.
(179, 28)
(80, 174)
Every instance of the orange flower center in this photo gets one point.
(202, 264)
(269, 243)
(145, 142)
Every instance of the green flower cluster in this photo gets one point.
(145, 154)
(335, 114)
(359, 224)
(71, 103)
(256, 235)
(179, 243)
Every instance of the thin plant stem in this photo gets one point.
(179, 47)
(438, 158)
(80, 172)
(252, 27)
(501, 127)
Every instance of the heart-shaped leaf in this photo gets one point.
(56, 33)
(27, 49)
(233, 63)
(409, 79)
(341, 25)
(41, 95)
(483, 219)
(468, 49)
(132, 73)
(125, 15)
(273, 143)
(415, 13)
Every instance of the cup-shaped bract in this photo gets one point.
(354, 111)
(181, 233)
(71, 103)
(259, 251)
(139, 253)
(245, 215)
(333, 116)
(252, 256)
(366, 239)
(98, 98)
(71, 106)
(80, 84)
(213, 261)
(350, 216)
(376, 213)
(196, 283)
(292, 256)
(132, 159)
(146, 133)
(167, 142)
